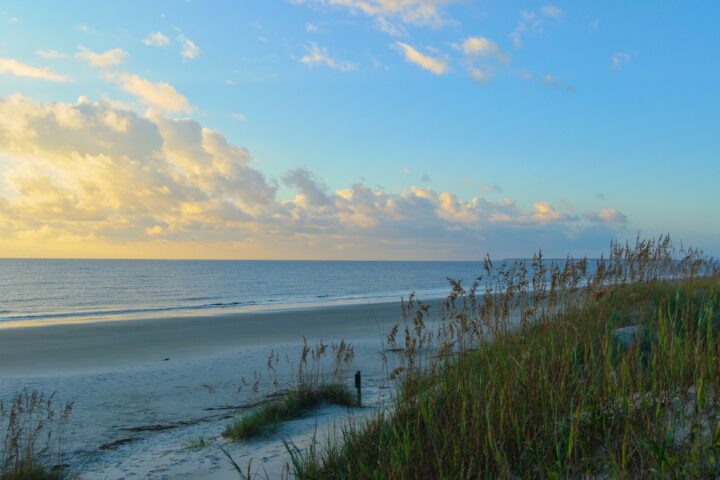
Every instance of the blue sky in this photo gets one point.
(605, 112)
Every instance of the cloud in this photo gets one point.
(551, 11)
(619, 59)
(434, 65)
(532, 22)
(159, 95)
(426, 178)
(13, 67)
(392, 29)
(312, 191)
(50, 54)
(317, 55)
(309, 27)
(417, 12)
(490, 188)
(92, 169)
(106, 59)
(481, 74)
(607, 215)
(240, 117)
(189, 50)
(85, 175)
(549, 80)
(156, 39)
(482, 47)
(528, 21)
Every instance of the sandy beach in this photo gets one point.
(144, 389)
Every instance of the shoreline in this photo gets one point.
(161, 313)
(91, 346)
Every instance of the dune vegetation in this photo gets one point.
(31, 437)
(315, 386)
(529, 375)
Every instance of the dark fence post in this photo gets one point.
(358, 387)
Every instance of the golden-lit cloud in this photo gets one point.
(106, 59)
(418, 12)
(50, 54)
(159, 95)
(317, 55)
(94, 179)
(483, 47)
(14, 67)
(432, 64)
(156, 39)
(189, 50)
(607, 215)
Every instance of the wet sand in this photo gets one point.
(73, 347)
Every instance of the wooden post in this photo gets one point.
(358, 387)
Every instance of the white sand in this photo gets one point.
(117, 375)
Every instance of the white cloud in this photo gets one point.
(532, 22)
(156, 39)
(50, 54)
(240, 117)
(317, 55)
(418, 12)
(101, 60)
(483, 47)
(619, 59)
(392, 29)
(19, 69)
(311, 28)
(189, 50)
(481, 74)
(551, 11)
(432, 64)
(159, 95)
(549, 80)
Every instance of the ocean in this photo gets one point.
(38, 291)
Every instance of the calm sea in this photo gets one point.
(57, 290)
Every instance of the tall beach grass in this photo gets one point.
(31, 437)
(525, 376)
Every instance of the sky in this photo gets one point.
(356, 129)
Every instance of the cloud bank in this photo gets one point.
(91, 173)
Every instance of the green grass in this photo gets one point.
(196, 444)
(295, 404)
(556, 399)
(35, 473)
